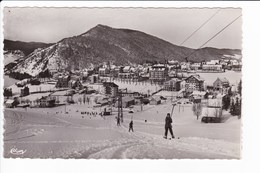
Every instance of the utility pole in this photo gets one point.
(141, 103)
(120, 106)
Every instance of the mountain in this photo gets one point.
(25, 47)
(12, 56)
(105, 44)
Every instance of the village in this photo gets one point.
(110, 89)
(115, 91)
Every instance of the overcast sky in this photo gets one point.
(50, 25)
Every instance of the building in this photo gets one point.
(173, 85)
(126, 75)
(10, 103)
(22, 83)
(63, 81)
(212, 67)
(115, 71)
(221, 84)
(237, 67)
(155, 101)
(46, 102)
(103, 71)
(211, 112)
(110, 88)
(213, 62)
(25, 91)
(127, 69)
(197, 96)
(194, 83)
(102, 102)
(201, 94)
(127, 101)
(195, 66)
(94, 78)
(185, 66)
(195, 99)
(136, 95)
(158, 74)
(183, 85)
(75, 84)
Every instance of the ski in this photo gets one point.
(171, 138)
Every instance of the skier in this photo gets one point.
(131, 126)
(168, 125)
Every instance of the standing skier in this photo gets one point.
(131, 126)
(168, 125)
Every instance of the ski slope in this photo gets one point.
(51, 133)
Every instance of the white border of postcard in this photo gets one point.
(250, 137)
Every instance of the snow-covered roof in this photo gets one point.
(175, 80)
(127, 99)
(112, 84)
(195, 65)
(196, 77)
(9, 101)
(156, 98)
(102, 69)
(224, 80)
(127, 68)
(112, 66)
(198, 93)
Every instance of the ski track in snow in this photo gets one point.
(137, 145)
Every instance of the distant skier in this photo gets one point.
(131, 126)
(168, 125)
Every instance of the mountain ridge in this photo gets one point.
(118, 46)
(25, 47)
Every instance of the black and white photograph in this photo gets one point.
(122, 83)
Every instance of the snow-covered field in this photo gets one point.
(141, 87)
(52, 133)
(9, 81)
(33, 97)
(34, 88)
(232, 76)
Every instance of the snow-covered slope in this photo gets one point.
(11, 56)
(50, 133)
(38, 61)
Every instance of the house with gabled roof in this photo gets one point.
(194, 83)
(221, 84)
(155, 100)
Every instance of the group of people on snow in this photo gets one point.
(168, 125)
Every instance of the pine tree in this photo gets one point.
(84, 98)
(197, 109)
(229, 92)
(237, 107)
(226, 102)
(232, 108)
(239, 88)
(8, 92)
